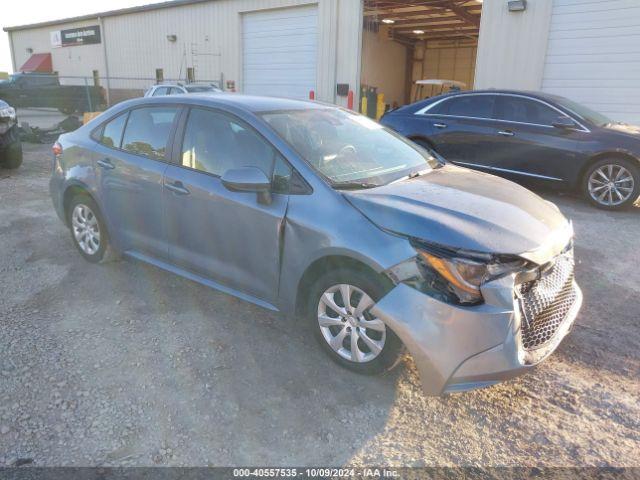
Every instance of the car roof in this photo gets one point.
(249, 103)
(547, 97)
(527, 93)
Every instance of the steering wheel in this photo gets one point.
(347, 151)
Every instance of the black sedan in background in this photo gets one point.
(531, 138)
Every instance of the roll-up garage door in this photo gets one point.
(280, 49)
(593, 55)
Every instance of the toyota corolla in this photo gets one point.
(324, 215)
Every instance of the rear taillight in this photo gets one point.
(57, 149)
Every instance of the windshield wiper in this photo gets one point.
(353, 185)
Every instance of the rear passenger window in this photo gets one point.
(160, 91)
(148, 130)
(112, 132)
(476, 106)
(215, 142)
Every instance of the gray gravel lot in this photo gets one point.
(124, 364)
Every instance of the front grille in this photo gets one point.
(545, 303)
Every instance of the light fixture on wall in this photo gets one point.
(517, 5)
(172, 38)
(419, 32)
(388, 21)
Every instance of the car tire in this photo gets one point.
(366, 360)
(612, 183)
(12, 157)
(88, 230)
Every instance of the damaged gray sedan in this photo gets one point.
(322, 214)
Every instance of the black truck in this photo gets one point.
(27, 90)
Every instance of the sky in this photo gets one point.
(32, 11)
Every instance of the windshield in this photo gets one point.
(584, 112)
(349, 148)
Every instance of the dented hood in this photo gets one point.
(464, 209)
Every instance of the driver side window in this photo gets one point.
(523, 110)
(215, 143)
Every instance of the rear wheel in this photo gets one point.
(88, 230)
(612, 183)
(339, 314)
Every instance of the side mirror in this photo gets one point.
(564, 123)
(248, 179)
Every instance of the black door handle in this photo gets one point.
(106, 164)
(178, 188)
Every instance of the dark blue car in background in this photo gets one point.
(530, 137)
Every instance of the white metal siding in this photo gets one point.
(209, 38)
(512, 45)
(70, 62)
(593, 55)
(280, 50)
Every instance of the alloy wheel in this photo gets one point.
(611, 185)
(347, 324)
(86, 229)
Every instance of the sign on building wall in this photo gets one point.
(76, 36)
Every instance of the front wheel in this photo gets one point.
(612, 183)
(339, 313)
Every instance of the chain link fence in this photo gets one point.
(48, 103)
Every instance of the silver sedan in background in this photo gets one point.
(163, 89)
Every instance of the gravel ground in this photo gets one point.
(124, 364)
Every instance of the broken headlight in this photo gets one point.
(453, 277)
(7, 119)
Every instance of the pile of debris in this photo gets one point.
(48, 135)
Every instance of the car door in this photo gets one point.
(228, 237)
(131, 159)
(461, 128)
(528, 145)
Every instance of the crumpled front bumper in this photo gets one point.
(461, 348)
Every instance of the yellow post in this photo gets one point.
(88, 116)
(365, 105)
(380, 107)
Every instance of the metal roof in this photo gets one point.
(110, 13)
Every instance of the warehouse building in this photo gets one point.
(588, 50)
